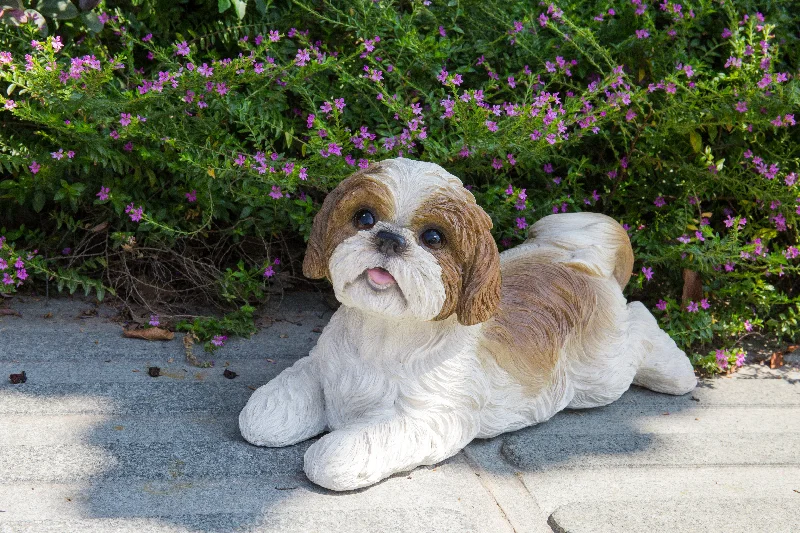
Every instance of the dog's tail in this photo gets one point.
(596, 243)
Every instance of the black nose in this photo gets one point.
(390, 243)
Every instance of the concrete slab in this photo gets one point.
(92, 443)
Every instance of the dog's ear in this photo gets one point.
(480, 289)
(315, 262)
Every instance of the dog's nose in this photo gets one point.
(390, 243)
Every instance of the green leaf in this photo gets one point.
(239, 6)
(696, 141)
(58, 9)
(38, 201)
(261, 7)
(223, 5)
(92, 22)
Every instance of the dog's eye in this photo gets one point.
(432, 239)
(364, 219)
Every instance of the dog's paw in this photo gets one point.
(340, 461)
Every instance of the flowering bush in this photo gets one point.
(178, 156)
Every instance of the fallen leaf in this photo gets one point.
(149, 334)
(776, 360)
(87, 313)
(154, 371)
(119, 428)
(317, 329)
(283, 336)
(665, 414)
(271, 361)
(100, 227)
(251, 387)
(9, 312)
(47, 315)
(692, 286)
(229, 374)
(16, 379)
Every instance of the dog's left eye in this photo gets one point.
(364, 219)
(432, 239)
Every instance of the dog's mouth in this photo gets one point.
(380, 279)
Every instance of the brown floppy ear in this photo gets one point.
(480, 292)
(315, 262)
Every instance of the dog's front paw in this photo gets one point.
(340, 461)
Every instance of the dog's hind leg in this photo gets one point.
(664, 368)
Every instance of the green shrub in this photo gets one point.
(167, 156)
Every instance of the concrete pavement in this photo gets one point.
(93, 443)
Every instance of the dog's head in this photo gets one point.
(405, 239)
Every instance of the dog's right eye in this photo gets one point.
(364, 219)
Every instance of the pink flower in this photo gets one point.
(630, 115)
(704, 303)
(659, 201)
(339, 103)
(741, 106)
(648, 273)
(302, 57)
(274, 36)
(114, 134)
(135, 213)
(219, 340)
(522, 223)
(10, 104)
(182, 49)
(191, 197)
(276, 193)
(642, 34)
(103, 194)
(748, 326)
(34, 166)
(692, 307)
(492, 126)
(661, 305)
(269, 271)
(726, 33)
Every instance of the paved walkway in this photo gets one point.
(92, 443)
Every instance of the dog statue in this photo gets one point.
(441, 339)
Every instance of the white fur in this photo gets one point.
(397, 390)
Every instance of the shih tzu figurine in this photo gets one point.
(441, 339)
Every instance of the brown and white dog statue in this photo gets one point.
(441, 339)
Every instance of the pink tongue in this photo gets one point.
(380, 276)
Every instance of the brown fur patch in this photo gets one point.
(469, 259)
(334, 222)
(542, 304)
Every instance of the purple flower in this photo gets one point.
(704, 303)
(274, 36)
(522, 223)
(219, 340)
(276, 193)
(741, 106)
(191, 196)
(57, 155)
(135, 213)
(442, 32)
(302, 57)
(154, 320)
(722, 359)
(339, 103)
(303, 174)
(726, 33)
(326, 107)
(492, 126)
(125, 119)
(748, 326)
(642, 34)
(659, 201)
(692, 307)
(648, 273)
(630, 115)
(269, 271)
(182, 49)
(205, 70)
(34, 166)
(10, 104)
(5, 58)
(661, 305)
(114, 134)
(222, 89)
(103, 194)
